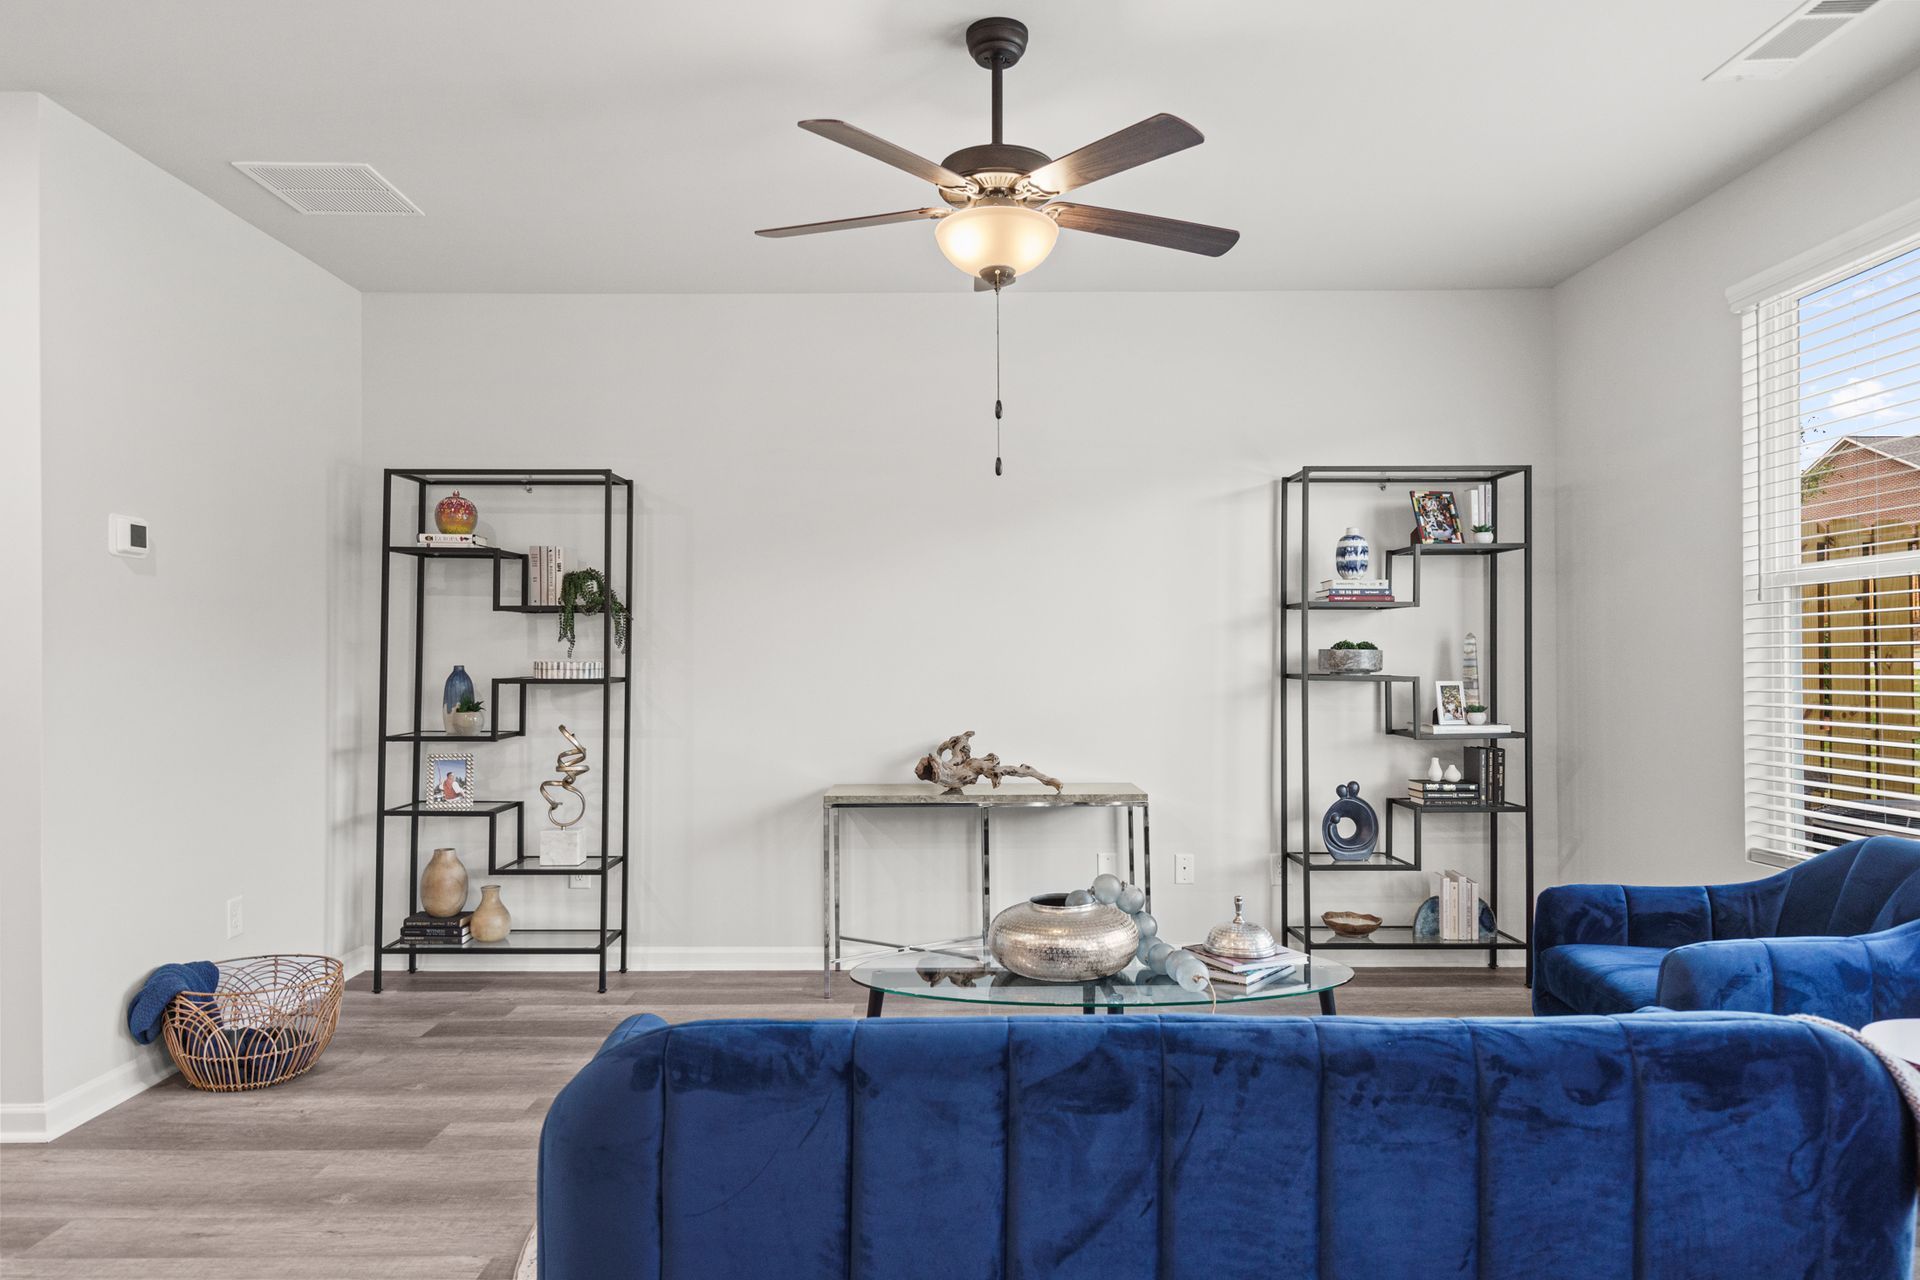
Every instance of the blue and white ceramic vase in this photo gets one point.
(459, 687)
(1352, 555)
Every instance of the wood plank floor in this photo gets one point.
(408, 1152)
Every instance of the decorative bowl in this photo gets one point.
(1045, 939)
(1350, 662)
(1350, 924)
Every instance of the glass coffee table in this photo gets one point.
(966, 974)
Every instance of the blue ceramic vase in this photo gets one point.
(1352, 554)
(459, 686)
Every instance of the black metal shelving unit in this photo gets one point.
(505, 565)
(1295, 686)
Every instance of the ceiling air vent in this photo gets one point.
(1781, 47)
(330, 188)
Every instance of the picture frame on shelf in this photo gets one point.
(1449, 702)
(1436, 518)
(449, 780)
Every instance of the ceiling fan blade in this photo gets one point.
(848, 224)
(1168, 233)
(1156, 136)
(885, 152)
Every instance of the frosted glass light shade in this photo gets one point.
(996, 235)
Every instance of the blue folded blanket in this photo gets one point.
(162, 985)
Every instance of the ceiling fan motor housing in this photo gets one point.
(995, 166)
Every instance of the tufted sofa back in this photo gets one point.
(1697, 1145)
(1862, 886)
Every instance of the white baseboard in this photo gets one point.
(43, 1122)
(640, 959)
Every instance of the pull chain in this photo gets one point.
(996, 375)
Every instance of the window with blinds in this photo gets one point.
(1832, 558)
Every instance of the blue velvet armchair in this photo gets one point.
(1669, 1146)
(1838, 936)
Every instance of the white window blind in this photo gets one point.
(1831, 574)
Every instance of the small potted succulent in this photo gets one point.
(1350, 658)
(468, 717)
(1483, 533)
(1476, 713)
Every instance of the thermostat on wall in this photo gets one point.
(126, 535)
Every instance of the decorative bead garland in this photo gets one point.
(1184, 967)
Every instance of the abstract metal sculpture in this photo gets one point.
(571, 762)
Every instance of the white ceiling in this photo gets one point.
(622, 146)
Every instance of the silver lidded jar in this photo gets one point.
(1238, 940)
(1045, 939)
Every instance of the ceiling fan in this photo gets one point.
(1003, 211)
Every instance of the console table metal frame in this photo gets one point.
(982, 799)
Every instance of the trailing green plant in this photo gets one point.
(1349, 644)
(585, 592)
(469, 703)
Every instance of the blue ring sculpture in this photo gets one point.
(1357, 847)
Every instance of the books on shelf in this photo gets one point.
(1382, 585)
(447, 540)
(421, 927)
(1353, 597)
(1486, 767)
(545, 567)
(1458, 898)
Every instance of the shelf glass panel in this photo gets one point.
(1365, 677)
(458, 553)
(1401, 802)
(1388, 475)
(1343, 606)
(478, 809)
(1327, 862)
(1456, 549)
(558, 680)
(522, 941)
(1424, 735)
(441, 735)
(531, 866)
(1395, 937)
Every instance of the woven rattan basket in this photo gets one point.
(267, 1021)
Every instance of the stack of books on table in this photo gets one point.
(453, 541)
(452, 931)
(1249, 975)
(1354, 591)
(1459, 901)
(1439, 795)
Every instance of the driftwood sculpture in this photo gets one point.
(953, 766)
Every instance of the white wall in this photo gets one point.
(197, 373)
(1647, 381)
(832, 579)
(20, 747)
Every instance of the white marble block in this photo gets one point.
(562, 848)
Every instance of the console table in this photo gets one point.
(983, 799)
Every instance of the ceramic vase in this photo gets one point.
(459, 687)
(443, 885)
(490, 922)
(455, 514)
(466, 724)
(1352, 554)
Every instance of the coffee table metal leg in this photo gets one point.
(875, 998)
(1326, 1002)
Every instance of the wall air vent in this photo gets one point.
(330, 188)
(1782, 46)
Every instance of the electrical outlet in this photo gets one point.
(1277, 869)
(1183, 868)
(233, 917)
(1109, 861)
(579, 882)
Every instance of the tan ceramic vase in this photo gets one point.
(491, 923)
(443, 885)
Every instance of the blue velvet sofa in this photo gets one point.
(1838, 936)
(1652, 1147)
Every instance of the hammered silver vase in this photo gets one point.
(1045, 939)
